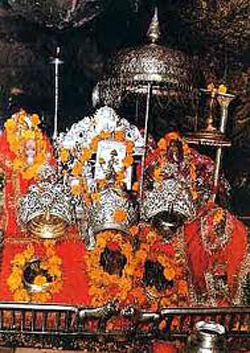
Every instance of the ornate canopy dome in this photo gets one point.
(169, 71)
(153, 62)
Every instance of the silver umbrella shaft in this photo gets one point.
(56, 62)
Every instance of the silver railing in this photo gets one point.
(48, 325)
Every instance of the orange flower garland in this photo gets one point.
(51, 263)
(103, 285)
(20, 129)
(170, 258)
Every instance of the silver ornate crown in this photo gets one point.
(115, 209)
(46, 209)
(170, 196)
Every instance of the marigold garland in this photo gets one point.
(103, 285)
(21, 128)
(168, 256)
(51, 263)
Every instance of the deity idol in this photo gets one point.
(23, 150)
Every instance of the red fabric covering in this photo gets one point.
(164, 347)
(200, 260)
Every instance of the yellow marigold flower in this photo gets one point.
(14, 281)
(55, 271)
(86, 154)
(210, 87)
(41, 297)
(218, 216)
(76, 189)
(95, 197)
(222, 89)
(94, 144)
(21, 117)
(29, 252)
(64, 155)
(29, 135)
(21, 295)
(77, 169)
(9, 124)
(19, 260)
(120, 175)
(55, 260)
(169, 273)
(40, 280)
(104, 135)
(35, 119)
(120, 216)
(162, 144)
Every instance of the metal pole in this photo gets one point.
(224, 101)
(147, 112)
(56, 62)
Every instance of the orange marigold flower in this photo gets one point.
(64, 155)
(95, 197)
(182, 287)
(19, 260)
(76, 189)
(119, 136)
(102, 183)
(127, 161)
(120, 216)
(40, 280)
(120, 175)
(162, 144)
(218, 216)
(210, 87)
(134, 230)
(21, 295)
(94, 143)
(86, 154)
(77, 169)
(35, 119)
(104, 135)
(136, 186)
(21, 117)
(130, 146)
(169, 273)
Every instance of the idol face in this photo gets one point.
(30, 151)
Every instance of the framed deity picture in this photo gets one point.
(110, 155)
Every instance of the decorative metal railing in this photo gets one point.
(67, 326)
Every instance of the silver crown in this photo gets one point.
(46, 209)
(102, 215)
(171, 196)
